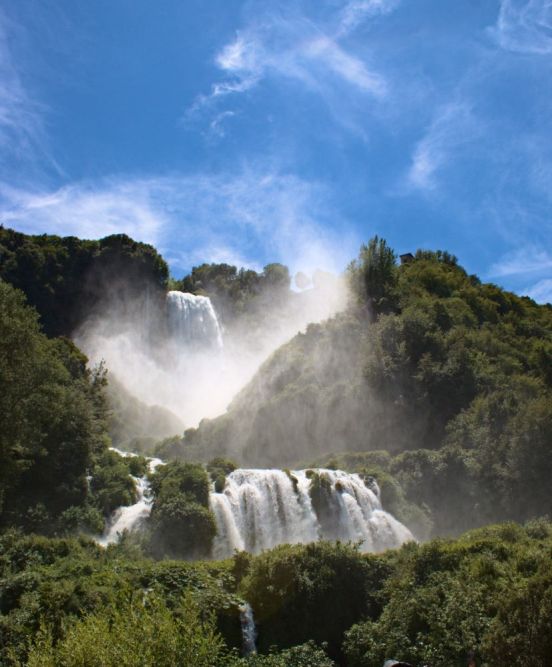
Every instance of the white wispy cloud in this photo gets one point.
(232, 217)
(524, 26)
(453, 126)
(298, 49)
(356, 12)
(21, 125)
(299, 52)
(239, 55)
(541, 291)
(216, 126)
(85, 210)
(346, 66)
(525, 260)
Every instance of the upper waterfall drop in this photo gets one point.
(192, 319)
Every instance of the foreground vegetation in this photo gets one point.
(69, 602)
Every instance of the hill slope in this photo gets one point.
(450, 376)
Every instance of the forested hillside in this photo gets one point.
(444, 381)
(57, 474)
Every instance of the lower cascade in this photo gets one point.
(130, 517)
(260, 509)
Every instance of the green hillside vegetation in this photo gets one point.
(64, 278)
(69, 602)
(135, 426)
(449, 376)
(56, 472)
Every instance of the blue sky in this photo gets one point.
(250, 132)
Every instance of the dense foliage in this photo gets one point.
(312, 593)
(69, 602)
(64, 278)
(447, 598)
(47, 585)
(130, 634)
(182, 524)
(56, 473)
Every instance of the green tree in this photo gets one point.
(182, 524)
(372, 276)
(276, 276)
(51, 420)
(313, 592)
(65, 278)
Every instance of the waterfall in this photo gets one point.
(129, 518)
(192, 320)
(260, 509)
(249, 634)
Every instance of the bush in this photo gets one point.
(189, 479)
(141, 632)
(181, 523)
(111, 484)
(305, 655)
(181, 528)
(313, 592)
(218, 469)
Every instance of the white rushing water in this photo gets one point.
(260, 509)
(193, 320)
(130, 518)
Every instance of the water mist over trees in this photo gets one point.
(180, 353)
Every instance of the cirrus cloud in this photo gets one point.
(238, 218)
(525, 26)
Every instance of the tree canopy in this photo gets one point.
(65, 277)
(55, 471)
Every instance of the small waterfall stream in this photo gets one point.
(130, 517)
(249, 633)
